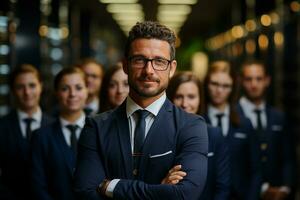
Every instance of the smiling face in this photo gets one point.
(27, 90)
(187, 97)
(72, 93)
(219, 88)
(118, 88)
(148, 83)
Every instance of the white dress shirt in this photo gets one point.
(66, 132)
(35, 124)
(212, 115)
(131, 107)
(94, 106)
(248, 108)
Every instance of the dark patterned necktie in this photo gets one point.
(139, 137)
(72, 128)
(28, 132)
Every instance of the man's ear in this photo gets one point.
(125, 65)
(173, 67)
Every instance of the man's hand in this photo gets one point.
(174, 176)
(274, 193)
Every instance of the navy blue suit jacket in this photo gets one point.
(52, 164)
(175, 137)
(14, 157)
(278, 159)
(244, 160)
(218, 175)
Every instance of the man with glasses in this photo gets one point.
(276, 154)
(127, 153)
(94, 75)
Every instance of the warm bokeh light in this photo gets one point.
(43, 30)
(278, 39)
(263, 41)
(265, 20)
(250, 25)
(295, 6)
(250, 46)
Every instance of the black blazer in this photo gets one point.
(52, 164)
(244, 160)
(14, 157)
(218, 182)
(278, 160)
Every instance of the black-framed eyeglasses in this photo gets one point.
(224, 86)
(159, 64)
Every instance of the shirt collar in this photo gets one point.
(94, 105)
(37, 116)
(79, 122)
(213, 111)
(153, 108)
(246, 103)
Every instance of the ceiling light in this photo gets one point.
(118, 1)
(188, 2)
(178, 9)
(126, 16)
(122, 8)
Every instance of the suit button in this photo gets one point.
(264, 159)
(263, 146)
(135, 172)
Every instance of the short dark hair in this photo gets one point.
(23, 69)
(67, 71)
(184, 77)
(151, 30)
(250, 62)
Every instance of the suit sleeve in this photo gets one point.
(38, 174)
(222, 168)
(192, 149)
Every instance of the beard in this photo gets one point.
(145, 90)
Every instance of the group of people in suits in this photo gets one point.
(142, 131)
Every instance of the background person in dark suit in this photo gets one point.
(237, 130)
(276, 150)
(94, 74)
(54, 146)
(185, 92)
(16, 128)
(126, 153)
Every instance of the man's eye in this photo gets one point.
(138, 60)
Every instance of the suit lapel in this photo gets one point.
(124, 138)
(64, 148)
(154, 134)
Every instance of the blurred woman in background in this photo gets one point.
(185, 91)
(54, 147)
(114, 88)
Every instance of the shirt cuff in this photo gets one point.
(110, 188)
